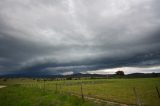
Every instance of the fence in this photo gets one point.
(101, 91)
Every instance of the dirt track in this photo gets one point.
(102, 101)
(2, 86)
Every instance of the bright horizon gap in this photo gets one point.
(127, 70)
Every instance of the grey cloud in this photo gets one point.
(37, 35)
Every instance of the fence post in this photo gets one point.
(56, 87)
(44, 85)
(82, 92)
(60, 88)
(157, 91)
(137, 98)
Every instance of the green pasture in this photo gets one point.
(49, 92)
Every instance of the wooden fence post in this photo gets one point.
(60, 88)
(157, 91)
(56, 87)
(82, 92)
(137, 98)
(44, 86)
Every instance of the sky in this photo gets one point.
(73, 36)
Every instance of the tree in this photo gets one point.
(69, 78)
(121, 73)
(154, 74)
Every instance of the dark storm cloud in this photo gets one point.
(65, 35)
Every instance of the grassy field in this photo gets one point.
(38, 92)
(17, 95)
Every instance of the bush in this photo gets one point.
(121, 73)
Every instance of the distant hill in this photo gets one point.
(143, 75)
(79, 75)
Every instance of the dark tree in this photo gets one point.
(121, 73)
(69, 78)
(154, 74)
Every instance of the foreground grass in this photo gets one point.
(117, 90)
(121, 90)
(24, 96)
